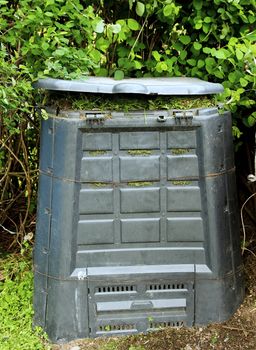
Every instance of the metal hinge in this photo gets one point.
(183, 117)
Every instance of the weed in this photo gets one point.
(214, 338)
(109, 346)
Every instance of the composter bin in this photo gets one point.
(137, 225)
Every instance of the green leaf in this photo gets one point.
(119, 74)
(243, 82)
(239, 54)
(49, 14)
(115, 28)
(219, 74)
(99, 28)
(168, 10)
(251, 120)
(133, 24)
(198, 24)
(185, 39)
(140, 8)
(207, 50)
(191, 62)
(131, 3)
(200, 64)
(232, 77)
(102, 44)
(45, 46)
(178, 46)
(197, 46)
(156, 55)
(183, 54)
(198, 4)
(101, 72)
(207, 19)
(161, 66)
(221, 54)
(206, 27)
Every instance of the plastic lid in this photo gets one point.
(146, 86)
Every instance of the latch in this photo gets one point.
(183, 117)
(95, 118)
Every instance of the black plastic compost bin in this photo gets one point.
(137, 224)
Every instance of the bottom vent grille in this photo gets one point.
(116, 327)
(157, 325)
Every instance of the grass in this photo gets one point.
(126, 103)
(16, 312)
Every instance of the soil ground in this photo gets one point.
(237, 333)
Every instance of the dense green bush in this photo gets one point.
(212, 40)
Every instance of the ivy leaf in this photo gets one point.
(185, 39)
(133, 24)
(119, 74)
(140, 8)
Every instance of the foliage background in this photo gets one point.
(213, 40)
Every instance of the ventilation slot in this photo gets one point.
(157, 325)
(115, 289)
(167, 286)
(116, 327)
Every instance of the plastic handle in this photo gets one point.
(141, 305)
(128, 88)
(161, 118)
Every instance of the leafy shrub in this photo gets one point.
(211, 40)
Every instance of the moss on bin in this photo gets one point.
(96, 153)
(139, 152)
(139, 184)
(179, 151)
(181, 183)
(98, 184)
